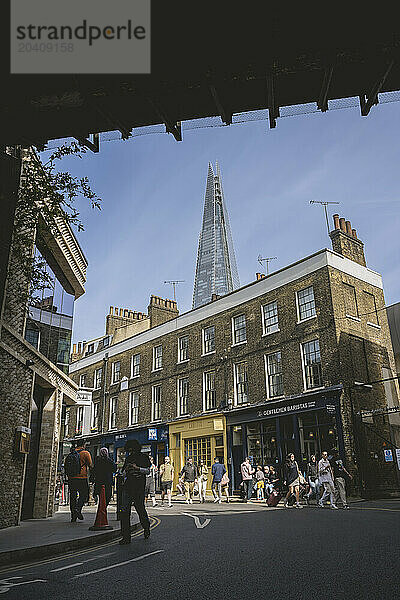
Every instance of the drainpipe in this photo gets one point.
(103, 399)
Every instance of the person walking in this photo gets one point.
(189, 477)
(104, 469)
(260, 482)
(202, 478)
(136, 467)
(340, 474)
(247, 471)
(272, 480)
(325, 477)
(218, 471)
(292, 479)
(76, 466)
(225, 485)
(167, 476)
(312, 478)
(150, 487)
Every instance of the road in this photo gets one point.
(231, 551)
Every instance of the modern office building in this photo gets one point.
(216, 270)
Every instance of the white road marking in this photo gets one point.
(78, 564)
(7, 584)
(125, 562)
(197, 520)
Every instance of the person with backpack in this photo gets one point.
(218, 471)
(76, 467)
(104, 469)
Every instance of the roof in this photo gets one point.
(221, 62)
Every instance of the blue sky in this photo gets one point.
(153, 192)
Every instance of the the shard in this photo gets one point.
(216, 270)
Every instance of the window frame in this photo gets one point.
(113, 371)
(153, 404)
(347, 314)
(299, 320)
(181, 413)
(237, 383)
(113, 403)
(376, 325)
(84, 376)
(132, 394)
(180, 359)
(135, 365)
(96, 371)
(263, 306)
(156, 358)
(94, 417)
(80, 419)
(304, 366)
(205, 390)
(204, 329)
(268, 375)
(234, 330)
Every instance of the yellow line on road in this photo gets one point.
(155, 521)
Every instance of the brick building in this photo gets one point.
(270, 368)
(32, 388)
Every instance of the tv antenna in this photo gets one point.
(266, 260)
(174, 283)
(324, 204)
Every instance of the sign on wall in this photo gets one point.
(152, 434)
(388, 455)
(398, 457)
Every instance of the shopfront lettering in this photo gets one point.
(286, 409)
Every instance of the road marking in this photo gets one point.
(7, 584)
(372, 508)
(78, 564)
(197, 520)
(125, 562)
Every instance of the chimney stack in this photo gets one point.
(345, 241)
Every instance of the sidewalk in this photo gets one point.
(41, 538)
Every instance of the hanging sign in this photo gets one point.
(388, 455)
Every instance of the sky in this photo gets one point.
(153, 188)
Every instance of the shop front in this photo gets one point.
(201, 438)
(305, 425)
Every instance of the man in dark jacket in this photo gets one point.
(217, 470)
(104, 469)
(135, 469)
(189, 476)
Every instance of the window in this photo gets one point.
(209, 340)
(273, 366)
(183, 393)
(135, 365)
(350, 300)
(241, 383)
(157, 358)
(133, 408)
(82, 380)
(95, 416)
(270, 317)
(209, 391)
(312, 365)
(198, 449)
(156, 403)
(306, 304)
(79, 420)
(239, 329)
(98, 374)
(370, 309)
(183, 348)
(106, 341)
(116, 372)
(113, 413)
(90, 349)
(32, 336)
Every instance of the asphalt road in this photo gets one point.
(232, 551)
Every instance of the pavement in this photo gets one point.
(228, 552)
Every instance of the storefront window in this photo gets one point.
(317, 431)
(198, 449)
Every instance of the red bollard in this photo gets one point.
(101, 522)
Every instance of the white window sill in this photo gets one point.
(97, 389)
(273, 398)
(270, 332)
(210, 410)
(113, 429)
(154, 421)
(314, 389)
(241, 404)
(134, 376)
(208, 353)
(133, 424)
(182, 362)
(239, 344)
(373, 325)
(307, 319)
(353, 318)
(115, 382)
(157, 370)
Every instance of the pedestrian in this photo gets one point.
(340, 474)
(150, 487)
(103, 472)
(189, 477)
(260, 482)
(202, 478)
(225, 485)
(292, 479)
(273, 479)
(217, 471)
(167, 476)
(247, 471)
(325, 477)
(76, 466)
(312, 478)
(136, 467)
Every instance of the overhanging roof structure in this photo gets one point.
(214, 63)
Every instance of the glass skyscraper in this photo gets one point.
(216, 270)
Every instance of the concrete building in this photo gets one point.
(33, 382)
(281, 365)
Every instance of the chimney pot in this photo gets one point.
(336, 221)
(354, 232)
(342, 223)
(111, 310)
(348, 228)
(73, 348)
